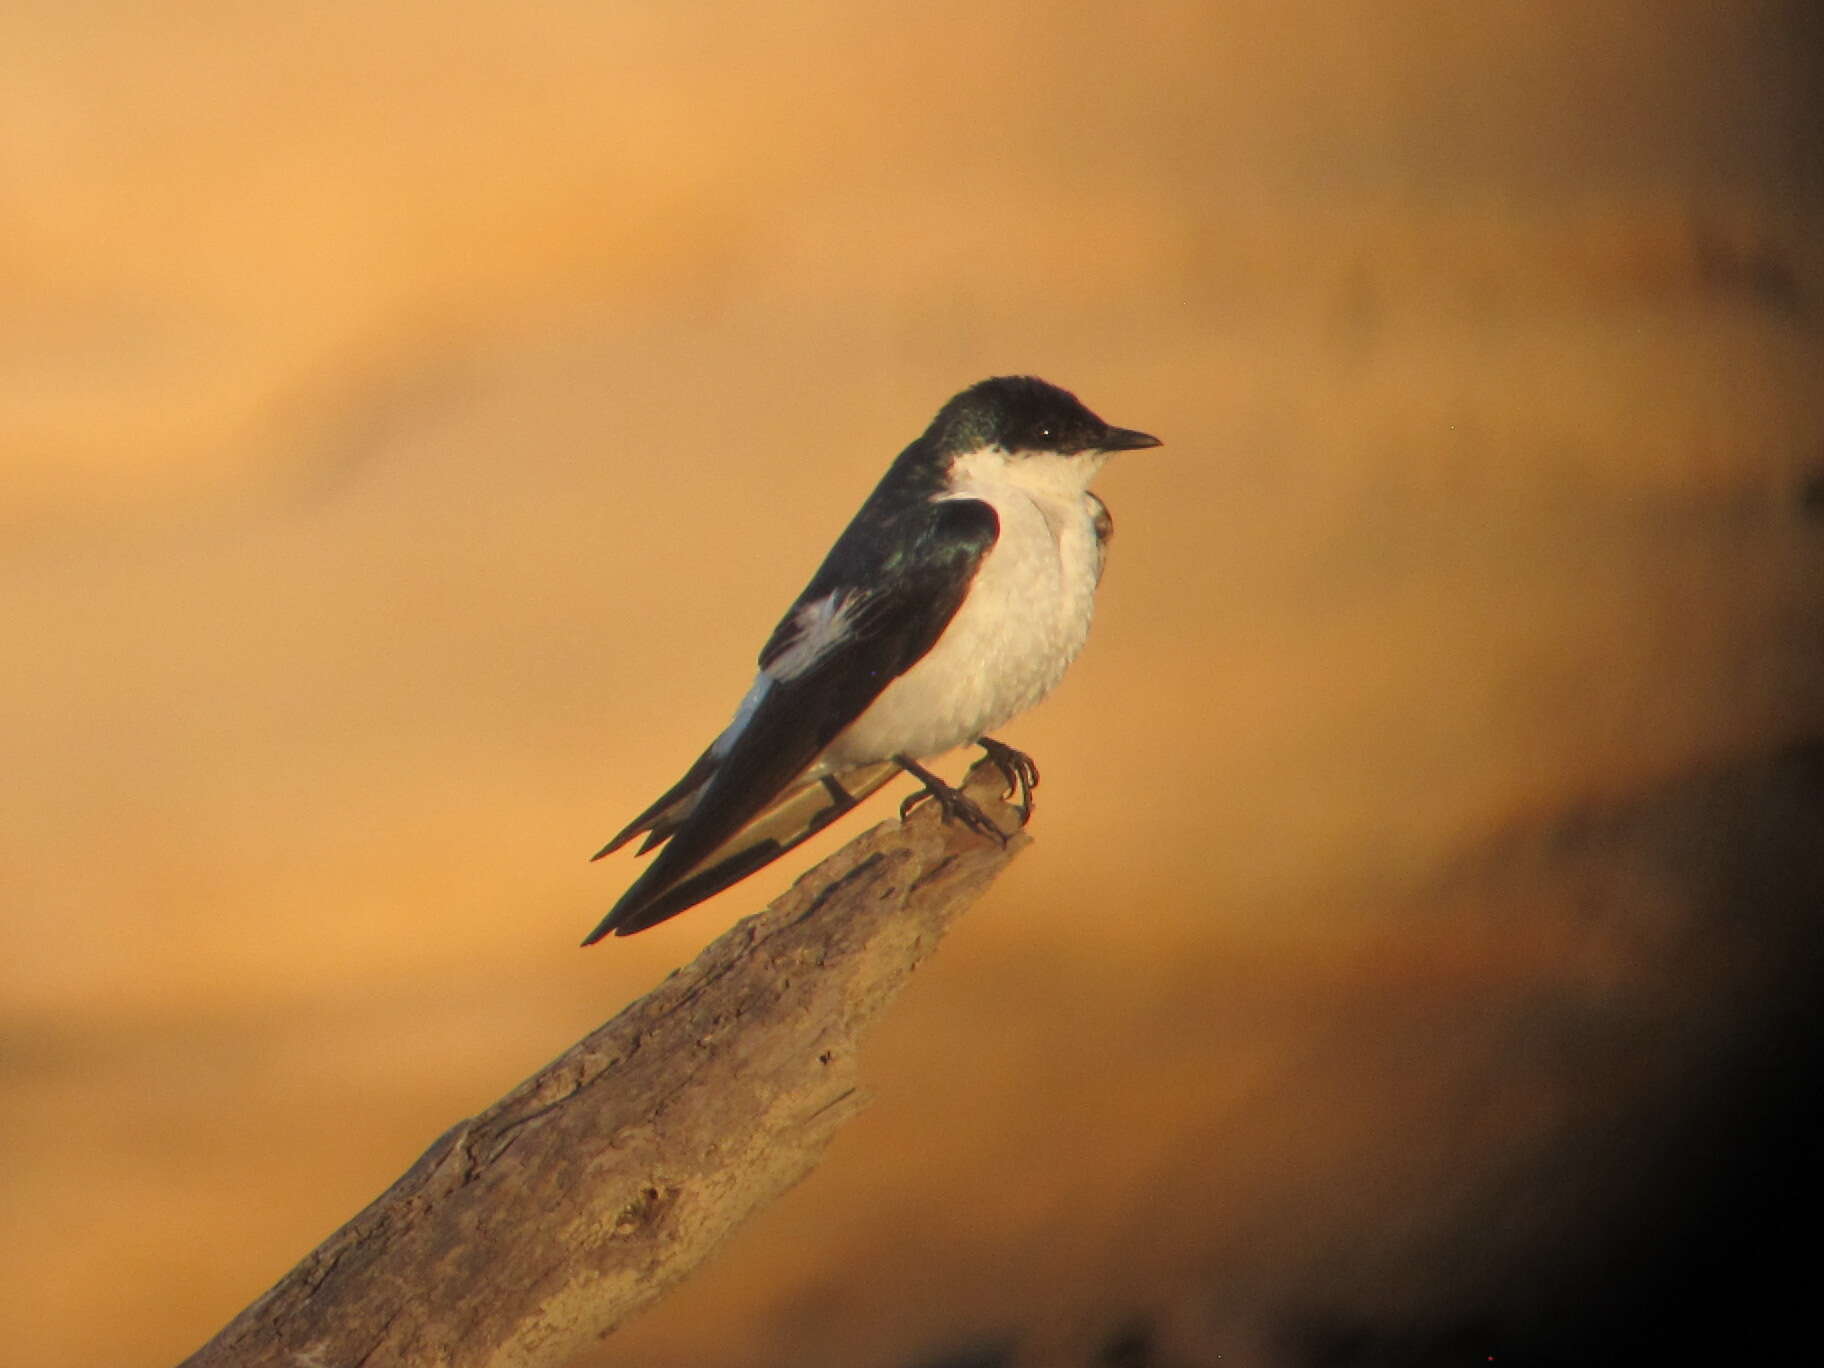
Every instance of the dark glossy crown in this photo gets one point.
(1019, 413)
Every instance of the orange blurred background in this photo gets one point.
(414, 421)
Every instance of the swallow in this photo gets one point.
(954, 600)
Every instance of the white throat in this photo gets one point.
(1039, 475)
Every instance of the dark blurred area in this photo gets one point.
(1601, 1155)
(415, 420)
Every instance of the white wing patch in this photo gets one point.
(755, 696)
(818, 628)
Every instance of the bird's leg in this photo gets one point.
(953, 802)
(1017, 768)
(841, 800)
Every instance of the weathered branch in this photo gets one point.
(577, 1199)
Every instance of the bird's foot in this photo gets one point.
(1017, 768)
(953, 802)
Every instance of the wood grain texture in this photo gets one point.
(537, 1226)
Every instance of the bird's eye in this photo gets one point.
(1046, 432)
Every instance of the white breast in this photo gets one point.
(1025, 618)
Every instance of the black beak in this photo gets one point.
(1126, 439)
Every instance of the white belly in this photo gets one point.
(1025, 618)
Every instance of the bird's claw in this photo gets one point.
(956, 804)
(1017, 768)
(953, 803)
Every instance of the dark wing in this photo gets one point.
(890, 586)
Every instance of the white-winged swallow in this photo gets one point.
(955, 599)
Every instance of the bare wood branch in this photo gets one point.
(534, 1228)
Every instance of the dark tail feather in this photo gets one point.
(661, 893)
(667, 814)
(630, 915)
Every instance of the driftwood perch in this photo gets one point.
(536, 1227)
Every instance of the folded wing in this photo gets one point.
(881, 600)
